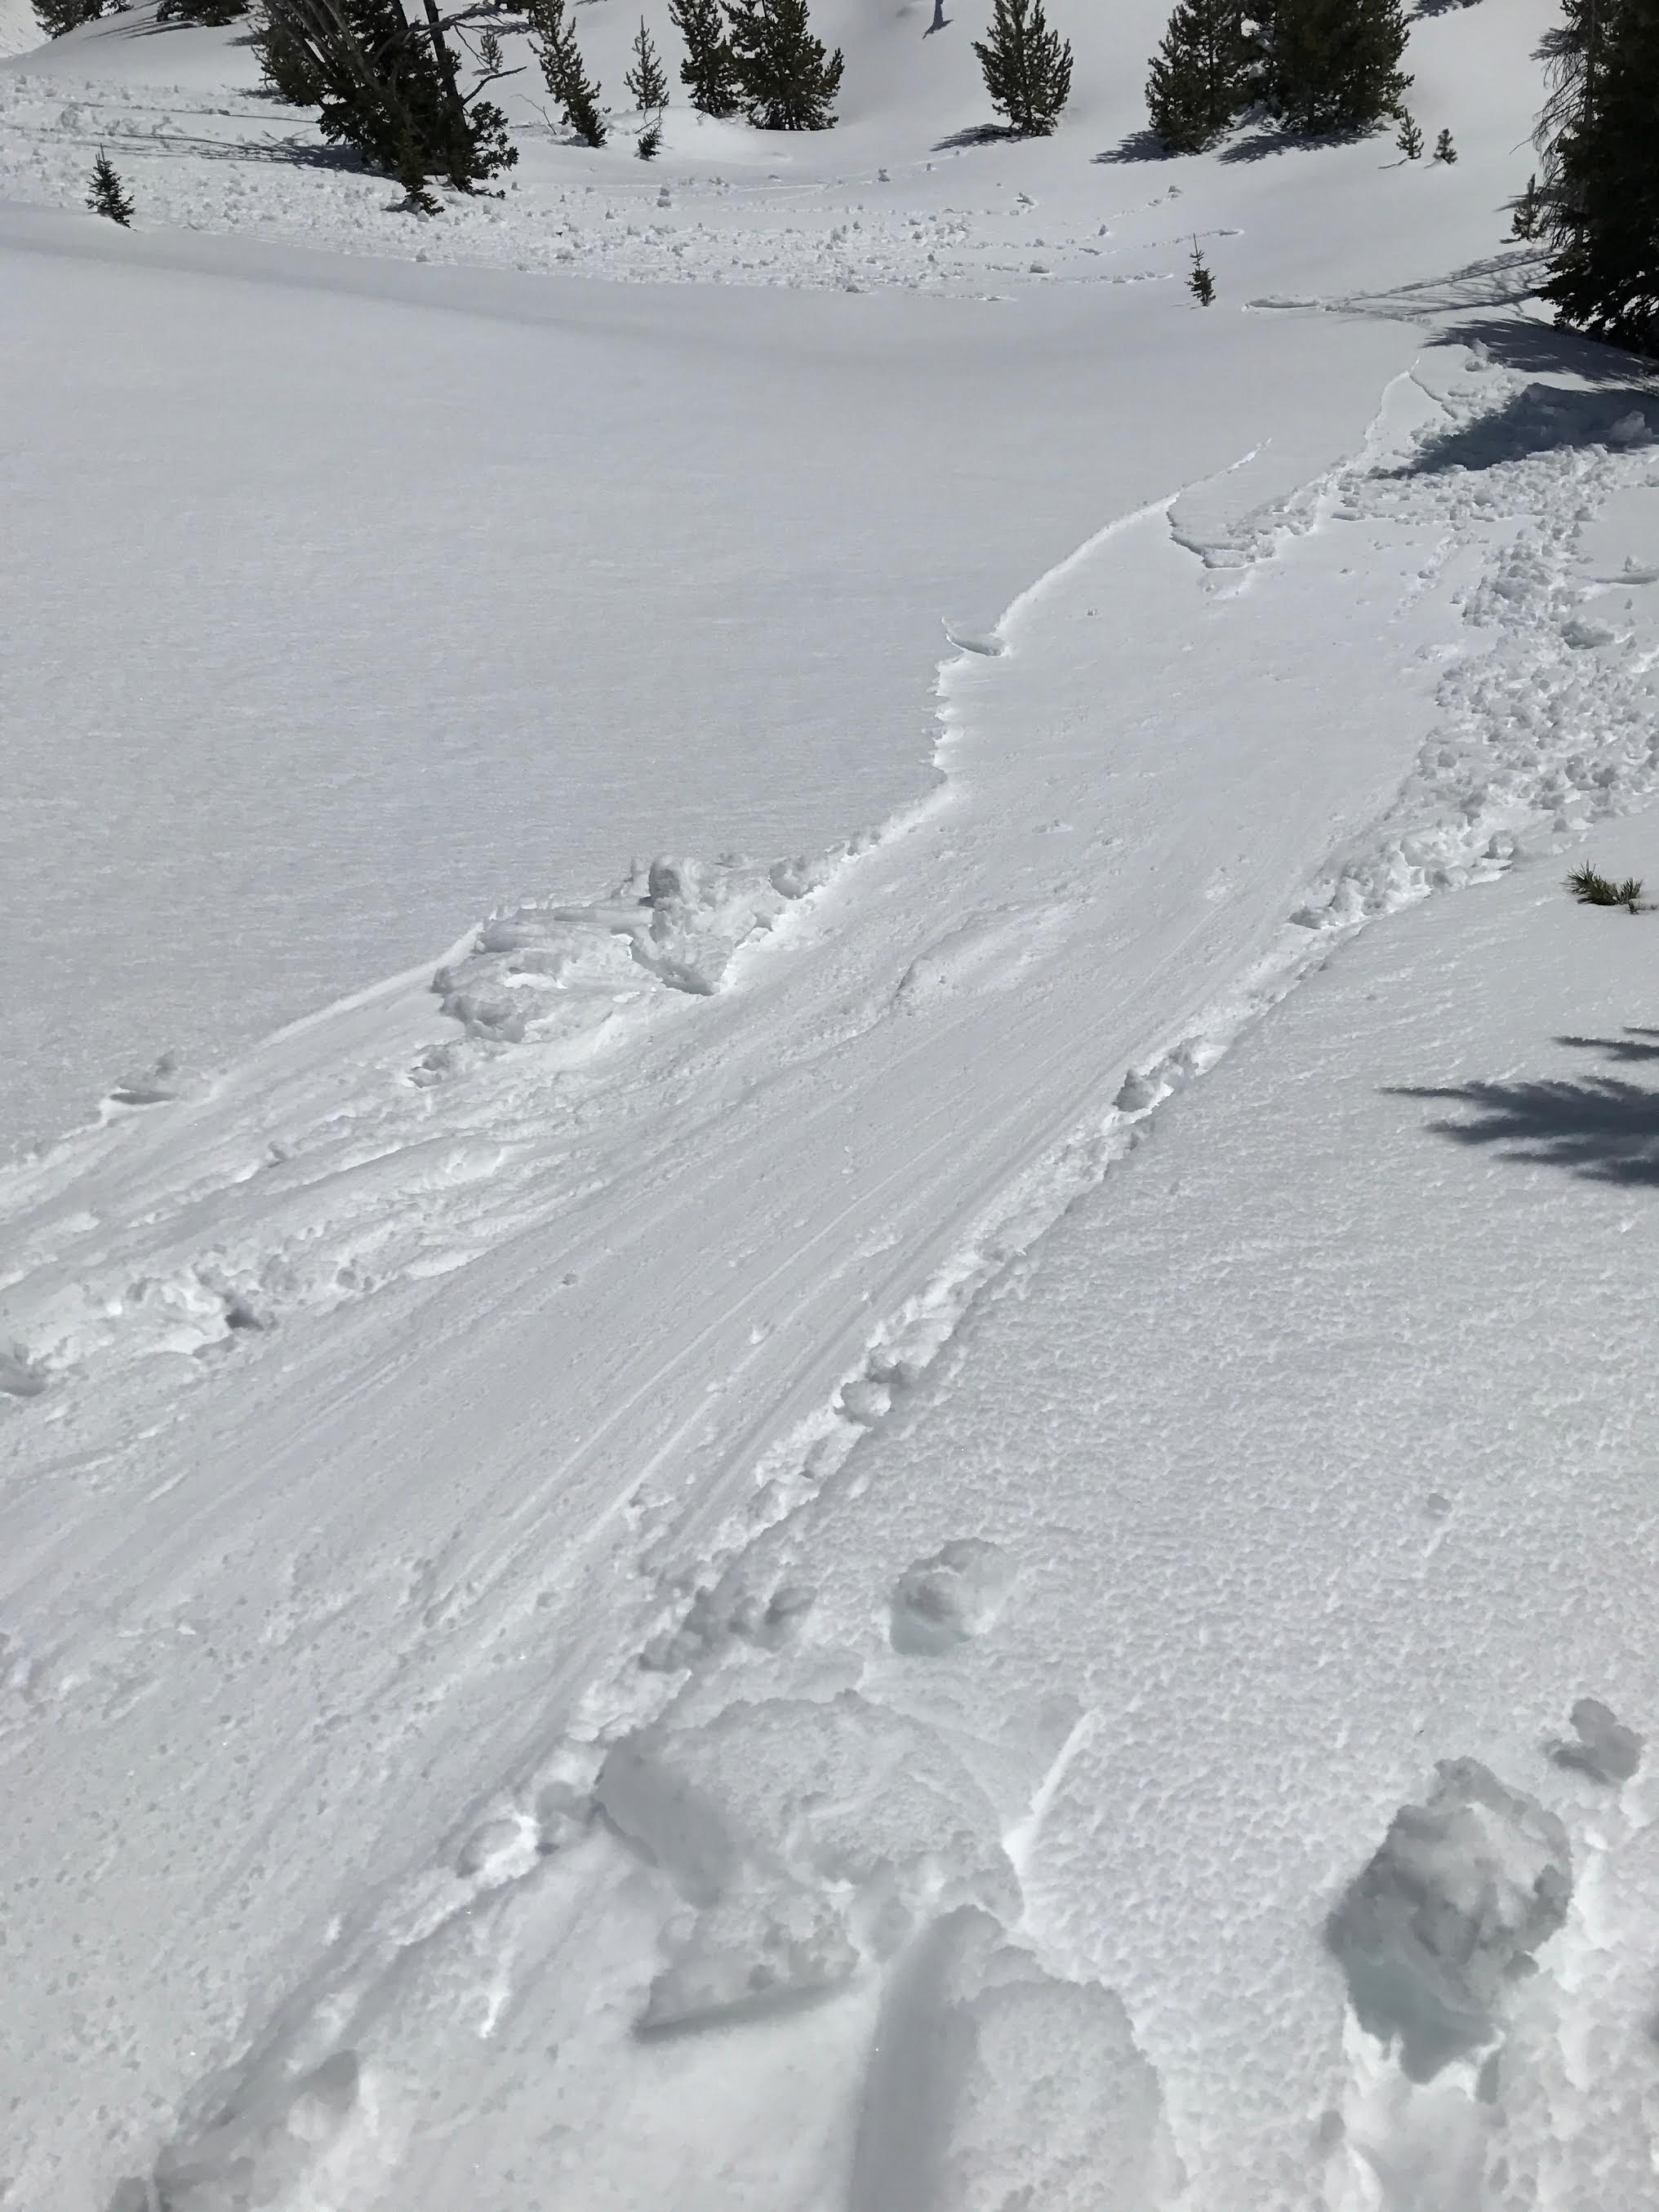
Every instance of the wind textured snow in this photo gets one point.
(898, 1456)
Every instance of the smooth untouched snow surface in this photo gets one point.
(953, 1514)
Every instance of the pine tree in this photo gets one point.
(650, 144)
(108, 196)
(1199, 76)
(1026, 66)
(1410, 139)
(709, 72)
(58, 16)
(1334, 65)
(1572, 51)
(646, 80)
(286, 64)
(553, 37)
(1444, 148)
(1527, 213)
(786, 80)
(1200, 282)
(390, 89)
(213, 12)
(1601, 198)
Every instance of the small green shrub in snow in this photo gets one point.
(1591, 888)
(108, 196)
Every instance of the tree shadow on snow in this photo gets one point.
(977, 134)
(1602, 1127)
(1136, 146)
(1268, 139)
(306, 153)
(1500, 280)
(1635, 1044)
(1538, 348)
(1543, 419)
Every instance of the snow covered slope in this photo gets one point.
(734, 1546)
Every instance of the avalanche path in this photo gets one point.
(712, 1170)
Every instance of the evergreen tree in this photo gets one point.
(646, 81)
(58, 16)
(650, 144)
(1601, 200)
(553, 37)
(1200, 282)
(709, 72)
(1334, 65)
(1572, 53)
(1444, 148)
(286, 64)
(390, 89)
(1200, 76)
(108, 196)
(786, 80)
(1410, 139)
(215, 13)
(1027, 68)
(1527, 214)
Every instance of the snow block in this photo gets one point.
(951, 1598)
(992, 2084)
(1603, 1747)
(1453, 1908)
(807, 1838)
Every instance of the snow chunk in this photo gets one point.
(19, 1376)
(952, 1597)
(555, 971)
(994, 2085)
(805, 1838)
(309, 2142)
(1451, 1910)
(166, 1078)
(1606, 1749)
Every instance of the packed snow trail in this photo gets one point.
(697, 1263)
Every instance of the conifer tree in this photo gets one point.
(646, 80)
(286, 64)
(1410, 138)
(1026, 66)
(1199, 76)
(1527, 213)
(1444, 148)
(58, 16)
(709, 72)
(650, 145)
(1601, 198)
(1572, 51)
(390, 87)
(1200, 282)
(1334, 65)
(213, 12)
(107, 195)
(786, 80)
(553, 37)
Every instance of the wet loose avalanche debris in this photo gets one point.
(1452, 1910)
(1602, 1747)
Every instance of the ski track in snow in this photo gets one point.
(885, 1870)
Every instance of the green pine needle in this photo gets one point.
(1591, 888)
